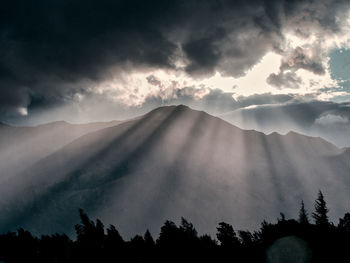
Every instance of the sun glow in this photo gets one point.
(133, 88)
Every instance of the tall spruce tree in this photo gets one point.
(321, 211)
(303, 215)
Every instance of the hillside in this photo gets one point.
(23, 146)
(173, 162)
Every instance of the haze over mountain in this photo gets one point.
(22, 146)
(171, 162)
(325, 119)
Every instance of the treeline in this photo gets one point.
(287, 240)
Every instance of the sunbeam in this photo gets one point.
(207, 113)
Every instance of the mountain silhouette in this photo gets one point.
(173, 162)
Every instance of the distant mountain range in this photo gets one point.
(171, 162)
(314, 118)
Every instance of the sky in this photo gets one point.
(268, 65)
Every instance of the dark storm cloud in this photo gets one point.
(51, 50)
(46, 46)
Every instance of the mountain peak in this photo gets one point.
(172, 107)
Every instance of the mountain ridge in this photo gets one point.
(22, 146)
(169, 161)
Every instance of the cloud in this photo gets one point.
(305, 59)
(330, 119)
(262, 99)
(284, 79)
(263, 112)
(311, 57)
(53, 51)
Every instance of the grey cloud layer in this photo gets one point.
(296, 59)
(328, 120)
(49, 50)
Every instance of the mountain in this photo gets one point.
(173, 162)
(313, 119)
(23, 146)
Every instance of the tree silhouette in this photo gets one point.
(114, 244)
(282, 217)
(246, 238)
(321, 211)
(169, 234)
(226, 235)
(137, 241)
(113, 236)
(99, 230)
(182, 243)
(188, 230)
(303, 215)
(207, 242)
(85, 230)
(344, 223)
(149, 241)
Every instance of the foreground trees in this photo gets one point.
(287, 240)
(321, 211)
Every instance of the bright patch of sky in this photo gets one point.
(134, 88)
(307, 66)
(339, 65)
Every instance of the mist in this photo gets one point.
(139, 173)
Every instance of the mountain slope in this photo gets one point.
(175, 162)
(23, 146)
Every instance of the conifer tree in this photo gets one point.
(85, 230)
(303, 215)
(113, 236)
(188, 229)
(226, 235)
(344, 223)
(321, 211)
(282, 217)
(149, 241)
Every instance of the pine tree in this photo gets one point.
(226, 235)
(282, 217)
(303, 215)
(188, 229)
(113, 236)
(344, 223)
(246, 238)
(85, 230)
(149, 241)
(321, 211)
(100, 232)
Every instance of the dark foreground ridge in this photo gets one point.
(288, 240)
